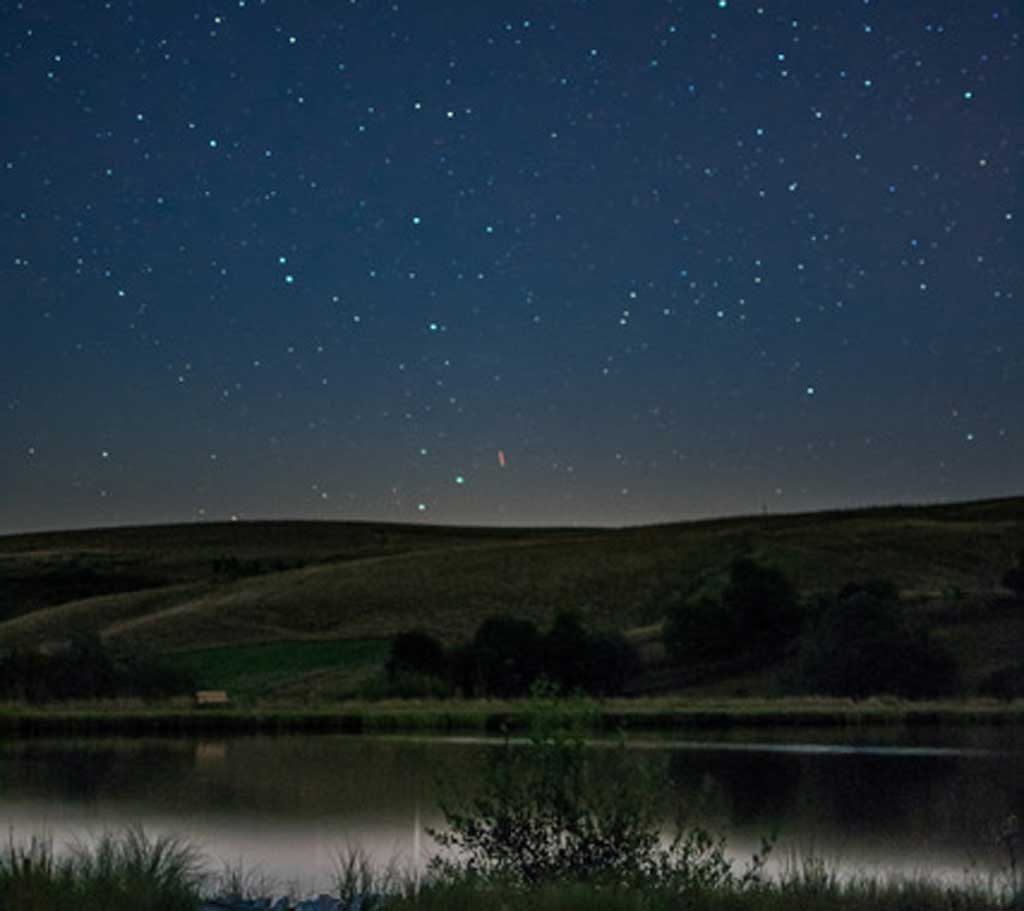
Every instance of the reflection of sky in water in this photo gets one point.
(288, 805)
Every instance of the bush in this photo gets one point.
(862, 642)
(548, 813)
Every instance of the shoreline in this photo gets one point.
(491, 716)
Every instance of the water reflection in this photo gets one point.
(922, 801)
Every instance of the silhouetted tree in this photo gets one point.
(509, 650)
(566, 652)
(1014, 580)
(764, 606)
(417, 652)
(862, 642)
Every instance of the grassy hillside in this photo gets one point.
(217, 595)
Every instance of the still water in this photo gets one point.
(909, 801)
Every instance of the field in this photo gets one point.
(293, 610)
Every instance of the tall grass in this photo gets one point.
(126, 871)
(129, 871)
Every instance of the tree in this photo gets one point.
(764, 606)
(1014, 580)
(417, 652)
(862, 642)
(508, 650)
(566, 652)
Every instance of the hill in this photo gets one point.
(299, 607)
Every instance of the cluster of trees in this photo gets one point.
(758, 615)
(855, 642)
(86, 669)
(508, 654)
(861, 641)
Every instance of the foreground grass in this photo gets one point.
(789, 894)
(129, 871)
(180, 717)
(123, 872)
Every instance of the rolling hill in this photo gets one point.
(288, 601)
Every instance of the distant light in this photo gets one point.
(810, 390)
(459, 479)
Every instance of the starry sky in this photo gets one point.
(504, 263)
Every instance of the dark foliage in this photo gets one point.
(417, 652)
(759, 614)
(576, 659)
(861, 642)
(1014, 580)
(85, 669)
(508, 655)
(764, 606)
(509, 651)
(1006, 683)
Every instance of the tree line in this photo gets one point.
(84, 668)
(507, 655)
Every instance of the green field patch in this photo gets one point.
(256, 671)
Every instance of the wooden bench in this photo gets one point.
(211, 697)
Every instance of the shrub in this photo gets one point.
(862, 642)
(548, 813)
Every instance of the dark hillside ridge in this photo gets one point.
(185, 588)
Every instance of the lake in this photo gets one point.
(908, 800)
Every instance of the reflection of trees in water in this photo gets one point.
(935, 797)
(80, 771)
(980, 806)
(736, 786)
(857, 792)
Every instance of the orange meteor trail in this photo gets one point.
(501, 458)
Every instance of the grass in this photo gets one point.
(494, 716)
(249, 672)
(122, 872)
(296, 583)
(128, 871)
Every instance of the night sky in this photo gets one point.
(552, 262)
